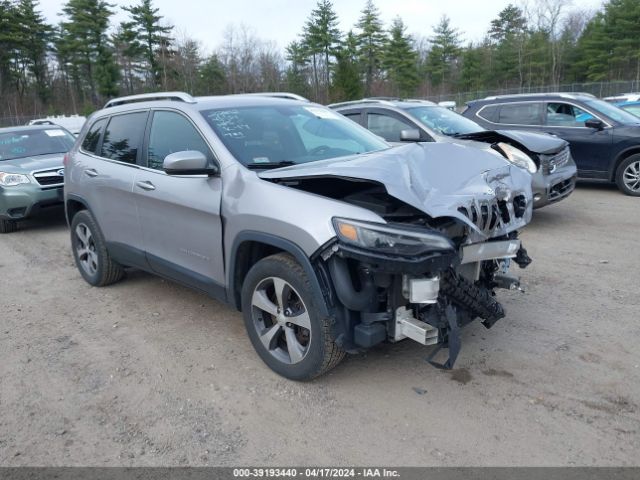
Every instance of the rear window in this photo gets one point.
(30, 143)
(521, 114)
(123, 137)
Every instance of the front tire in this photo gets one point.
(628, 176)
(283, 323)
(8, 226)
(90, 252)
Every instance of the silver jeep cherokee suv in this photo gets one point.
(328, 239)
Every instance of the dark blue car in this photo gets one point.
(604, 139)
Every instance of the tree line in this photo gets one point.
(74, 66)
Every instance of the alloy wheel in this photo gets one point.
(631, 176)
(86, 249)
(281, 320)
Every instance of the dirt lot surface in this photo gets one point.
(147, 372)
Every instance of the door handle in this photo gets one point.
(146, 185)
(90, 172)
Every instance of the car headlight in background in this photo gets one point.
(517, 157)
(386, 239)
(13, 179)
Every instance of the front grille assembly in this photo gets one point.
(550, 163)
(50, 178)
(491, 215)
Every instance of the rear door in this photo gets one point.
(107, 166)
(590, 147)
(180, 215)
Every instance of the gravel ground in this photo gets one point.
(147, 372)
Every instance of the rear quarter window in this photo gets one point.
(489, 113)
(90, 141)
(123, 137)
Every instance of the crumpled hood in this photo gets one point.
(440, 179)
(542, 143)
(29, 164)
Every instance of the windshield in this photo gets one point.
(633, 109)
(612, 111)
(30, 143)
(267, 136)
(444, 121)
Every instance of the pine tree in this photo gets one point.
(154, 38)
(85, 43)
(297, 71)
(507, 33)
(33, 38)
(445, 50)
(321, 37)
(371, 40)
(347, 84)
(400, 60)
(130, 54)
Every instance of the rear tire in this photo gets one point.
(628, 176)
(8, 226)
(90, 252)
(283, 321)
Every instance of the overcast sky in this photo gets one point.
(282, 20)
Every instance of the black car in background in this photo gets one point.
(604, 139)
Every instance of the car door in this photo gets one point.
(590, 147)
(180, 215)
(389, 125)
(108, 162)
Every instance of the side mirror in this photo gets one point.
(411, 135)
(188, 162)
(594, 123)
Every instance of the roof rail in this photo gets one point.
(381, 100)
(357, 102)
(148, 97)
(286, 95)
(541, 94)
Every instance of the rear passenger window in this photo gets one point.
(170, 133)
(123, 137)
(90, 142)
(521, 114)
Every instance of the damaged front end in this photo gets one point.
(449, 240)
(397, 282)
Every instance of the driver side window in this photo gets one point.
(387, 127)
(170, 133)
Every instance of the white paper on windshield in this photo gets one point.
(321, 112)
(54, 133)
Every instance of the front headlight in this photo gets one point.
(518, 157)
(13, 179)
(390, 240)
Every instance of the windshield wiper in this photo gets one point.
(269, 165)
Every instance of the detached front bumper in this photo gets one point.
(553, 187)
(22, 201)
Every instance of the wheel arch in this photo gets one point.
(72, 205)
(622, 156)
(249, 247)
